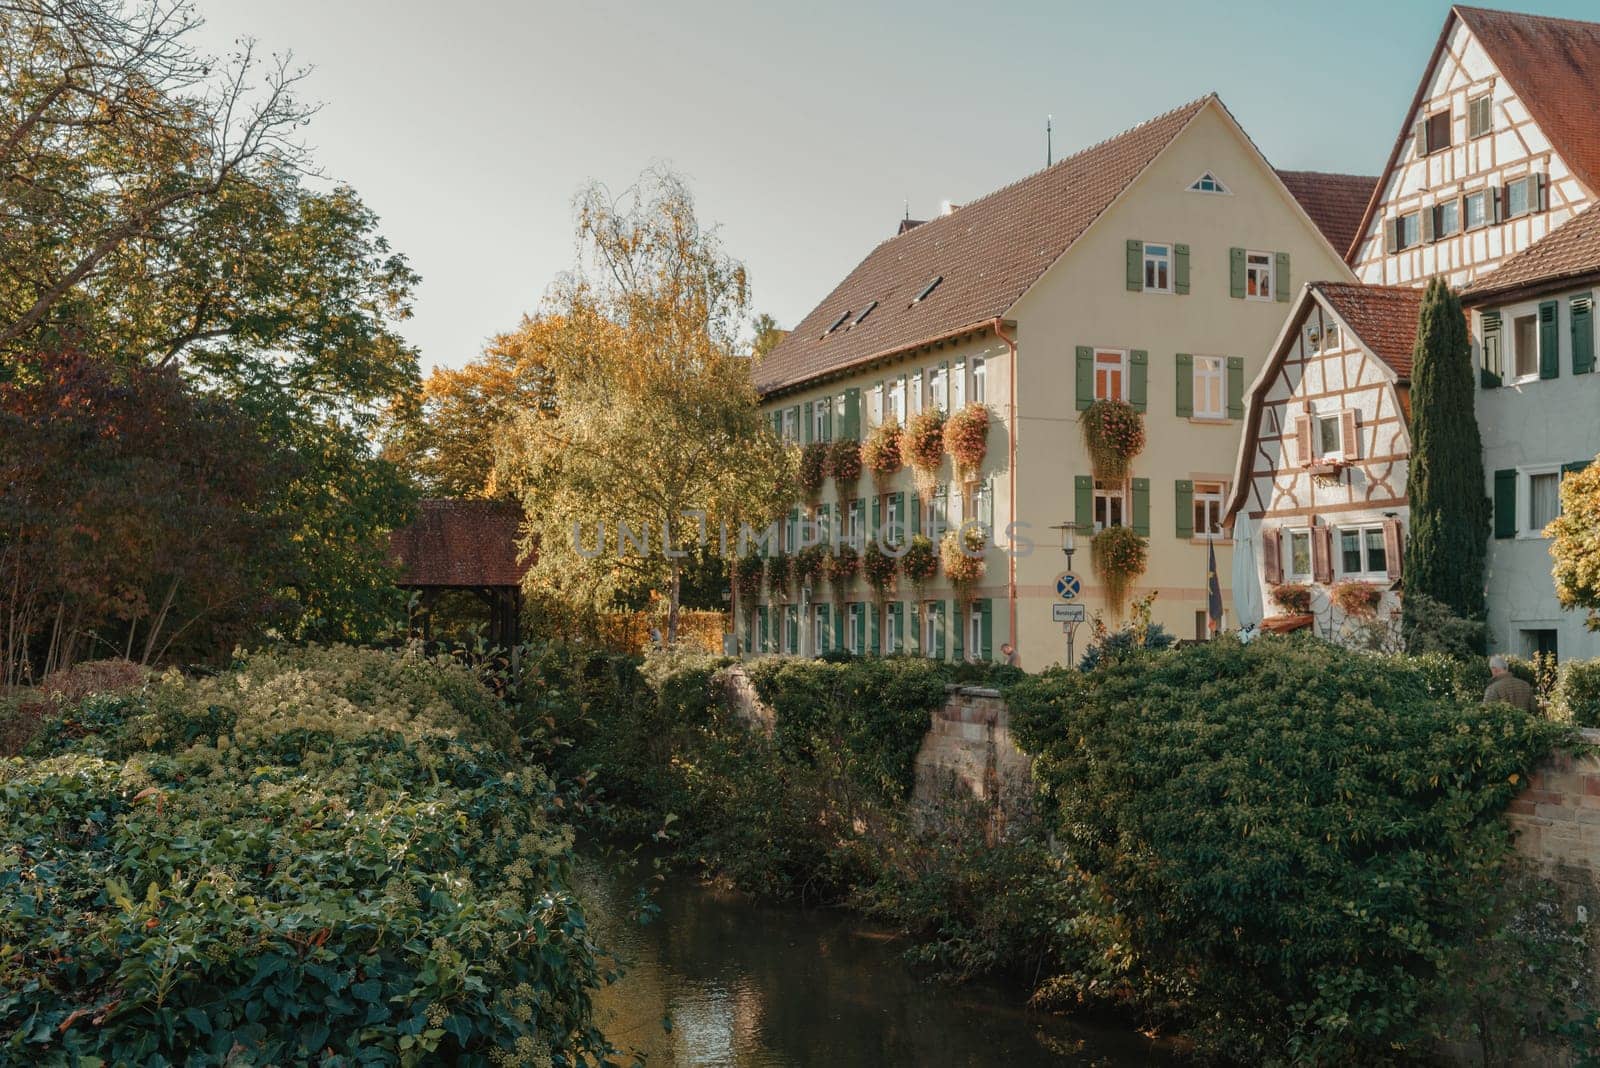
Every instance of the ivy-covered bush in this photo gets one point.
(1577, 693)
(317, 857)
(1286, 849)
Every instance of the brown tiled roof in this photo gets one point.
(1383, 317)
(1335, 202)
(1553, 65)
(460, 543)
(988, 253)
(1568, 252)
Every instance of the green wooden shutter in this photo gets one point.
(874, 640)
(1574, 467)
(1505, 503)
(1280, 280)
(916, 514)
(861, 627)
(1135, 264)
(1085, 377)
(1235, 387)
(1141, 507)
(986, 606)
(1083, 500)
(1139, 379)
(761, 628)
(899, 626)
(958, 616)
(1236, 273)
(1493, 353)
(877, 518)
(1582, 312)
(852, 413)
(940, 644)
(1185, 385)
(1180, 269)
(904, 524)
(827, 420)
(805, 423)
(838, 629)
(1549, 341)
(1183, 498)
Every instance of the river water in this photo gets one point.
(718, 980)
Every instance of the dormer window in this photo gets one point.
(929, 288)
(1208, 183)
(837, 323)
(864, 313)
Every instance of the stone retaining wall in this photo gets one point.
(1557, 818)
(969, 750)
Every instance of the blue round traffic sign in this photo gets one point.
(1067, 586)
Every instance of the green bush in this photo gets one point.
(319, 856)
(1285, 848)
(1577, 693)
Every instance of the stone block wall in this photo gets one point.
(969, 749)
(1557, 818)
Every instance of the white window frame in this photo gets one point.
(932, 614)
(1510, 318)
(1439, 232)
(938, 388)
(1364, 549)
(853, 530)
(1121, 372)
(1401, 241)
(980, 385)
(1159, 255)
(1482, 197)
(784, 644)
(791, 425)
(852, 615)
(1287, 557)
(893, 528)
(875, 407)
(914, 388)
(819, 419)
(1216, 500)
(1317, 421)
(1221, 190)
(1529, 194)
(974, 650)
(897, 401)
(1108, 494)
(1210, 371)
(983, 499)
(1525, 476)
(886, 632)
(958, 385)
(1330, 337)
(1262, 273)
(817, 646)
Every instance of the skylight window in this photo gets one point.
(864, 313)
(1207, 183)
(929, 288)
(837, 323)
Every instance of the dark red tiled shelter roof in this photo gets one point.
(1383, 317)
(1335, 202)
(1568, 253)
(987, 253)
(460, 543)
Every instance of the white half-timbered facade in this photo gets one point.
(1497, 150)
(1322, 466)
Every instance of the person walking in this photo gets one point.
(1506, 687)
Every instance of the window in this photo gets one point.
(958, 386)
(864, 313)
(1330, 338)
(1208, 509)
(892, 532)
(891, 628)
(1110, 504)
(837, 323)
(1207, 183)
(1446, 219)
(791, 425)
(1362, 552)
(852, 623)
(1157, 268)
(897, 400)
(1438, 132)
(937, 512)
(974, 633)
(1110, 374)
(819, 629)
(1544, 500)
(875, 411)
(1525, 345)
(915, 399)
(983, 505)
(1492, 360)
(1297, 560)
(933, 629)
(980, 388)
(1210, 387)
(1476, 207)
(1539, 643)
(1408, 231)
(1330, 440)
(1258, 276)
(1480, 115)
(928, 289)
(938, 382)
(853, 531)
(789, 641)
(819, 421)
(1519, 197)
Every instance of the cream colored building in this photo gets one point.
(1154, 268)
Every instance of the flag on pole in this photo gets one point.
(1213, 591)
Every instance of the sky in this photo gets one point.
(804, 130)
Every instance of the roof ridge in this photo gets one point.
(1329, 174)
(1522, 15)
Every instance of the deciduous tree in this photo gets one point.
(1575, 544)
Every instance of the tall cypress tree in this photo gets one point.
(1449, 512)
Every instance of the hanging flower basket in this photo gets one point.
(961, 554)
(1120, 557)
(920, 562)
(813, 467)
(1358, 600)
(1113, 432)
(881, 453)
(1293, 597)
(780, 576)
(924, 448)
(808, 565)
(842, 566)
(966, 437)
(844, 463)
(747, 572)
(879, 567)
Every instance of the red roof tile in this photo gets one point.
(1570, 251)
(460, 543)
(1335, 202)
(988, 253)
(1383, 317)
(1553, 65)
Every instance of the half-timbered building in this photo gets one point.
(1322, 464)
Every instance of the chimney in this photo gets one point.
(948, 208)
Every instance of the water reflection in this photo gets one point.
(717, 980)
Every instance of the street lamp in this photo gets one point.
(1069, 545)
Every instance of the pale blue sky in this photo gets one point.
(803, 128)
